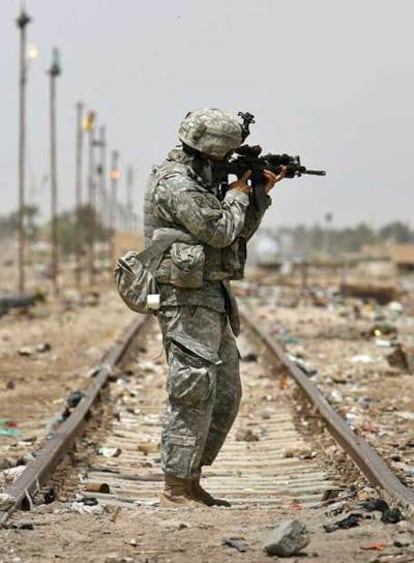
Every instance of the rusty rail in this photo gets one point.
(363, 455)
(37, 472)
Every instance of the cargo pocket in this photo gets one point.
(191, 380)
(187, 267)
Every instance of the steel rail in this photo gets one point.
(363, 455)
(23, 489)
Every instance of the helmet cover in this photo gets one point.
(210, 131)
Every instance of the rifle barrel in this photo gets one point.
(315, 172)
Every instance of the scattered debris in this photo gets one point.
(50, 496)
(236, 544)
(116, 558)
(300, 453)
(351, 420)
(8, 302)
(383, 294)
(396, 307)
(20, 526)
(6, 501)
(43, 347)
(377, 546)
(74, 399)
(246, 436)
(55, 421)
(86, 505)
(97, 488)
(336, 508)
(336, 396)
(174, 524)
(388, 515)
(307, 369)
(5, 463)
(116, 513)
(10, 475)
(71, 402)
(350, 521)
(402, 357)
(109, 452)
(35, 349)
(287, 538)
(9, 428)
(362, 358)
(90, 299)
(149, 447)
(383, 329)
(251, 357)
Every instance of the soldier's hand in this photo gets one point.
(241, 184)
(273, 178)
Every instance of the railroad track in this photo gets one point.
(266, 461)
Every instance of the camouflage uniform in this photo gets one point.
(203, 386)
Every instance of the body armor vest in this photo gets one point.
(220, 263)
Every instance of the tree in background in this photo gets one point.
(9, 223)
(303, 241)
(67, 225)
(310, 241)
(396, 231)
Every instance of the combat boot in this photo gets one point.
(201, 495)
(177, 492)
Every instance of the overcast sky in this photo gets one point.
(332, 81)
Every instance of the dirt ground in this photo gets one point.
(191, 535)
(50, 351)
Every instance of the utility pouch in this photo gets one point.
(187, 265)
(136, 284)
(134, 275)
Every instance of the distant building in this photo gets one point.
(390, 257)
(402, 257)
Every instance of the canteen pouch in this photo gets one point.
(136, 284)
(187, 265)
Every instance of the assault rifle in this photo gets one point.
(249, 158)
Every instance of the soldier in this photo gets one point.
(198, 314)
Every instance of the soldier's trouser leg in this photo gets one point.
(192, 336)
(228, 396)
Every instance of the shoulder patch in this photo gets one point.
(207, 200)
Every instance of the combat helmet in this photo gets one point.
(211, 131)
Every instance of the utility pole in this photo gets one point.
(22, 22)
(327, 237)
(54, 71)
(100, 170)
(115, 175)
(78, 194)
(122, 217)
(90, 128)
(102, 183)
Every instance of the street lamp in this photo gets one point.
(21, 23)
(54, 71)
(32, 52)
